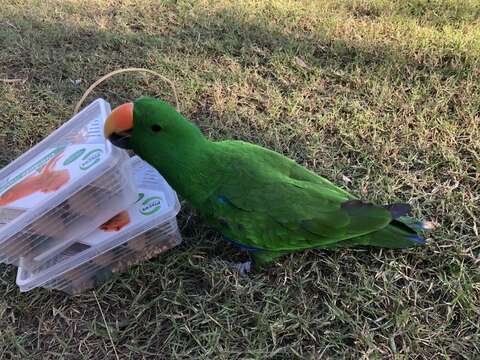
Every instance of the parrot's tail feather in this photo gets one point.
(396, 235)
(398, 210)
(417, 225)
(400, 233)
(418, 239)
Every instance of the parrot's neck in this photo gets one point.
(187, 168)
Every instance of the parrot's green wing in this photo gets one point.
(286, 217)
(279, 205)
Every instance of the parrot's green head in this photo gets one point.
(151, 128)
(156, 132)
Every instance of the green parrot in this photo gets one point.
(258, 199)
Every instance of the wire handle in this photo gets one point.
(120, 71)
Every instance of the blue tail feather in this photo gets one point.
(418, 239)
(417, 225)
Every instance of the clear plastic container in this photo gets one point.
(61, 189)
(147, 228)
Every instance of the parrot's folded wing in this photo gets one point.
(322, 215)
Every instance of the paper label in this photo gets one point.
(149, 204)
(52, 170)
(48, 173)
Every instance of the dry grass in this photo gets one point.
(385, 93)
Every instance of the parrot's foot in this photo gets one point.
(243, 268)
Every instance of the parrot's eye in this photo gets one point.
(156, 128)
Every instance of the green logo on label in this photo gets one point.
(91, 158)
(73, 157)
(151, 205)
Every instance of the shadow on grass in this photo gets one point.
(49, 52)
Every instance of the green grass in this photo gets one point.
(385, 93)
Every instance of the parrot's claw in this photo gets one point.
(244, 268)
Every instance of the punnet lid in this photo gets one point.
(157, 204)
(68, 159)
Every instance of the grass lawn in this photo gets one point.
(382, 97)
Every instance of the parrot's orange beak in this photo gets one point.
(119, 125)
